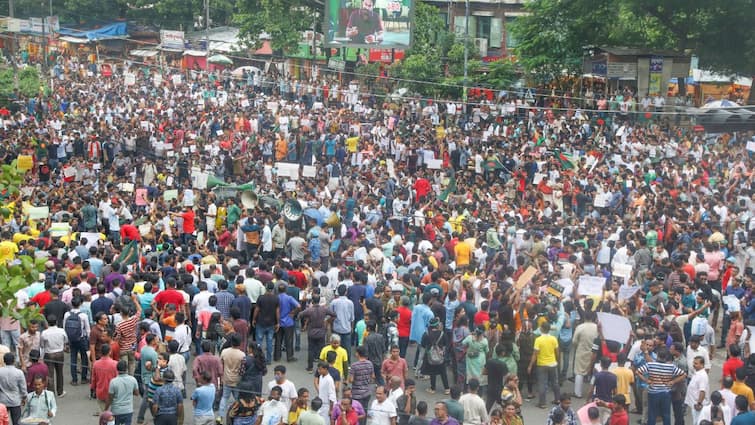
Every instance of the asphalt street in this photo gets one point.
(77, 408)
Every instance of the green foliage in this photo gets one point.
(173, 14)
(89, 11)
(283, 20)
(14, 278)
(553, 34)
(29, 82)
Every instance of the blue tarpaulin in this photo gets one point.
(115, 30)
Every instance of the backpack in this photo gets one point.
(72, 327)
(436, 355)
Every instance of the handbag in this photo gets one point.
(436, 355)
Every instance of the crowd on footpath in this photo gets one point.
(429, 246)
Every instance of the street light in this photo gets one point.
(466, 53)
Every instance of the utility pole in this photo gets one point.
(466, 53)
(10, 9)
(207, 31)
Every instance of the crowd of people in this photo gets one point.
(398, 244)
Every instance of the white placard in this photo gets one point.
(591, 285)
(157, 80)
(286, 169)
(91, 238)
(615, 328)
(185, 150)
(199, 180)
(568, 286)
(309, 171)
(537, 178)
(751, 146)
(129, 79)
(69, 172)
(192, 148)
(289, 186)
(245, 103)
(176, 79)
(626, 292)
(731, 302)
(434, 164)
(622, 270)
(39, 213)
(59, 229)
(219, 132)
(126, 187)
(427, 156)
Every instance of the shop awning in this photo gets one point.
(143, 53)
(115, 30)
(195, 53)
(75, 40)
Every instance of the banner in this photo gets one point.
(656, 75)
(376, 25)
(172, 39)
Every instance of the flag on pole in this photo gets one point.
(568, 162)
(492, 164)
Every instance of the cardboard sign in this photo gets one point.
(91, 237)
(626, 292)
(199, 180)
(309, 171)
(391, 168)
(140, 197)
(176, 79)
(24, 163)
(126, 187)
(731, 302)
(129, 79)
(435, 164)
(59, 229)
(525, 277)
(286, 169)
(615, 328)
(170, 195)
(39, 213)
(591, 285)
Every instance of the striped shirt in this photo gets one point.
(125, 333)
(660, 376)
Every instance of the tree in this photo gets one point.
(15, 277)
(91, 11)
(174, 14)
(283, 20)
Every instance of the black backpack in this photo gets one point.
(72, 327)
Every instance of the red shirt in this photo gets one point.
(730, 367)
(169, 296)
(103, 371)
(130, 232)
(481, 317)
(619, 418)
(404, 321)
(188, 224)
(300, 280)
(41, 298)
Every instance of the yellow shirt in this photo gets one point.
(8, 251)
(342, 357)
(624, 380)
(463, 252)
(20, 237)
(293, 416)
(546, 347)
(740, 388)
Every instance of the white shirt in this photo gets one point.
(273, 412)
(699, 382)
(381, 413)
(327, 393)
(289, 391)
(475, 412)
(182, 335)
(701, 351)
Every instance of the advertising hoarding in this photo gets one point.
(369, 23)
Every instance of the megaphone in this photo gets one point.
(249, 199)
(333, 221)
(292, 210)
(213, 181)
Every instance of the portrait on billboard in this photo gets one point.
(368, 23)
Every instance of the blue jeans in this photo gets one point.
(659, 404)
(227, 392)
(346, 342)
(10, 339)
(267, 332)
(565, 348)
(126, 419)
(79, 350)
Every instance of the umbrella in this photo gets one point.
(220, 59)
(238, 72)
(720, 104)
(314, 214)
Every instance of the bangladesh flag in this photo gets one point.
(451, 188)
(568, 162)
(492, 164)
(130, 254)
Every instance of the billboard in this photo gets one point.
(383, 24)
(172, 39)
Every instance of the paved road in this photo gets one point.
(76, 408)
